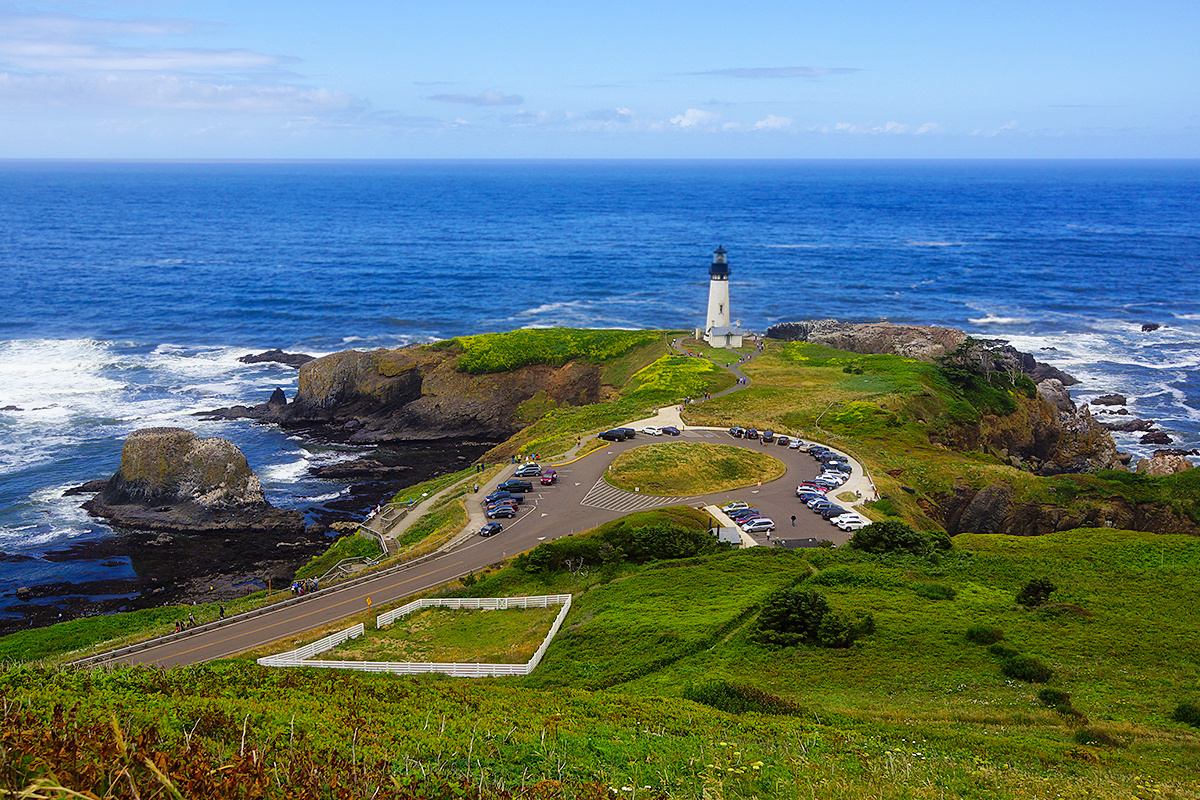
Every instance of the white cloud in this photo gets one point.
(488, 98)
(891, 128)
(76, 61)
(694, 118)
(989, 132)
(772, 123)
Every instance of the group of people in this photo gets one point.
(183, 625)
(302, 587)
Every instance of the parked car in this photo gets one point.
(751, 433)
(795, 444)
(504, 510)
(614, 435)
(760, 525)
(850, 524)
(629, 432)
(737, 432)
(736, 505)
(768, 436)
(549, 477)
(650, 430)
(782, 441)
(515, 485)
(491, 529)
(494, 496)
(670, 430)
(738, 516)
(528, 471)
(835, 511)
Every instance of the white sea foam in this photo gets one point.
(994, 320)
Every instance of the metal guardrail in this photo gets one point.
(303, 656)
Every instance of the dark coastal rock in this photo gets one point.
(360, 468)
(984, 511)
(1125, 458)
(277, 398)
(1150, 326)
(277, 356)
(1176, 451)
(1109, 400)
(11, 408)
(170, 480)
(24, 593)
(1130, 426)
(1156, 437)
(91, 487)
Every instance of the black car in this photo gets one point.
(670, 430)
(497, 496)
(737, 432)
(491, 529)
(835, 511)
(629, 432)
(768, 436)
(751, 433)
(515, 485)
(615, 435)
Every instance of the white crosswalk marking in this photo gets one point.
(605, 496)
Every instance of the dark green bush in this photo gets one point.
(1188, 714)
(1024, 668)
(1052, 697)
(1002, 651)
(622, 540)
(792, 616)
(738, 699)
(935, 591)
(1035, 593)
(984, 634)
(892, 536)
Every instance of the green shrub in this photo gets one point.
(734, 698)
(1053, 697)
(792, 616)
(892, 536)
(984, 634)
(1024, 668)
(1035, 593)
(1188, 714)
(935, 591)
(1003, 651)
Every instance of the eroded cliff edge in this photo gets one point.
(415, 394)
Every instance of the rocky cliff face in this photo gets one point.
(992, 510)
(413, 394)
(170, 480)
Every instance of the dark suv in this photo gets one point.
(514, 485)
(615, 435)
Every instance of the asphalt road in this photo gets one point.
(579, 501)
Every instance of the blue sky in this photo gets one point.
(451, 79)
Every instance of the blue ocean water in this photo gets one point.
(129, 289)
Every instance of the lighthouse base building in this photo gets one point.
(717, 330)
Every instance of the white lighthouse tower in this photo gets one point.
(717, 331)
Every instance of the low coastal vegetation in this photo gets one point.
(909, 664)
(661, 679)
(500, 352)
(691, 468)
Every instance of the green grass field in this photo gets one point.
(444, 635)
(679, 469)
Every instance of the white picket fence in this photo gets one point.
(295, 658)
(303, 656)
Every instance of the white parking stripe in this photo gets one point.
(609, 498)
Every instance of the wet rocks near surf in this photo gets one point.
(277, 356)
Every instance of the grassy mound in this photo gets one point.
(498, 352)
(681, 469)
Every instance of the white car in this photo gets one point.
(795, 444)
(736, 505)
(650, 430)
(852, 524)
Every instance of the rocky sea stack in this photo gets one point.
(171, 480)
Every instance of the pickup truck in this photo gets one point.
(515, 485)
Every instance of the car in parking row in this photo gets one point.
(528, 471)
